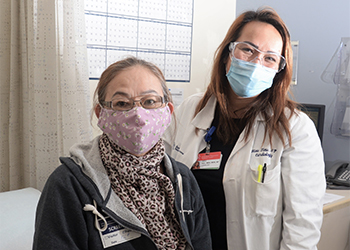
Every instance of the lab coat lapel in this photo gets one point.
(202, 121)
(205, 117)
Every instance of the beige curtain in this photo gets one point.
(44, 101)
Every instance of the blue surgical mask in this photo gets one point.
(249, 79)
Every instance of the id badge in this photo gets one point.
(211, 160)
(115, 234)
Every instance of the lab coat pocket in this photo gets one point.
(262, 198)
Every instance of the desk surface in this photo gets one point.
(338, 204)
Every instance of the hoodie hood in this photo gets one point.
(87, 156)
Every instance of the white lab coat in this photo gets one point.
(284, 212)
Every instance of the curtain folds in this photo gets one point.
(44, 88)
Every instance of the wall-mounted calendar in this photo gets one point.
(159, 31)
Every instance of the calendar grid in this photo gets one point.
(155, 30)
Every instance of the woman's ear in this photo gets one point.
(97, 110)
(171, 107)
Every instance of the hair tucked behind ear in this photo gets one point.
(271, 103)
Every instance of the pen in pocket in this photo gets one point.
(260, 168)
(261, 173)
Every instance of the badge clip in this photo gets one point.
(208, 138)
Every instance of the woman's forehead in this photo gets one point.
(263, 35)
(134, 81)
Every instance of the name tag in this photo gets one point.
(209, 161)
(115, 234)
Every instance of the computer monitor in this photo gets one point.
(316, 113)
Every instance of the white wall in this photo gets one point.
(210, 24)
(318, 25)
(211, 21)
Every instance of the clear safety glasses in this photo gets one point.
(247, 52)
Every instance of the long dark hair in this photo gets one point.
(271, 103)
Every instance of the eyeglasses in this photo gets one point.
(247, 52)
(123, 103)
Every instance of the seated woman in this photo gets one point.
(121, 191)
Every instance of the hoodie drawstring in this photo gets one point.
(179, 180)
(93, 209)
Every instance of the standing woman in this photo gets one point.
(257, 159)
(121, 191)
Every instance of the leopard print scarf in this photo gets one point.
(148, 193)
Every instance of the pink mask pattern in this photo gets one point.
(136, 130)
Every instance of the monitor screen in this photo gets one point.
(316, 113)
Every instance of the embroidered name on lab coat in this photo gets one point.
(264, 152)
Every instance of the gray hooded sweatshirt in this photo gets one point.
(79, 210)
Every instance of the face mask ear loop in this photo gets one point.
(93, 209)
(230, 47)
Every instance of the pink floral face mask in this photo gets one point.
(136, 130)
